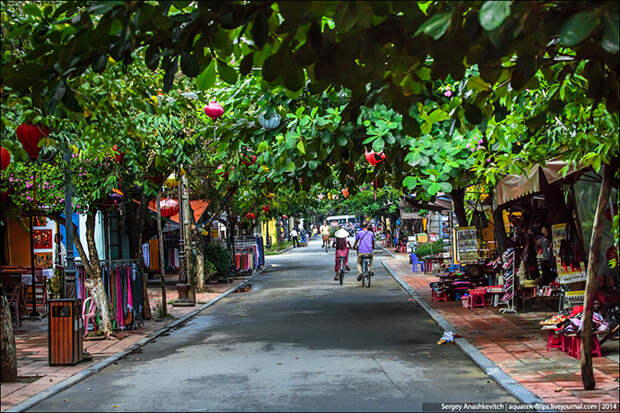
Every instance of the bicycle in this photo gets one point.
(365, 272)
(341, 268)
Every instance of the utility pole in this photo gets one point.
(69, 290)
(182, 285)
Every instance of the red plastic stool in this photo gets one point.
(478, 298)
(554, 341)
(443, 296)
(565, 343)
(575, 347)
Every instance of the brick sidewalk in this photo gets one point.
(34, 373)
(516, 344)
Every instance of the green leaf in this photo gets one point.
(189, 65)
(227, 73)
(294, 78)
(260, 29)
(100, 63)
(473, 114)
(476, 83)
(271, 67)
(436, 26)
(578, 27)
(378, 145)
(493, 13)
(610, 38)
(171, 70)
(33, 10)
(206, 79)
(342, 141)
(523, 71)
(300, 147)
(410, 182)
(446, 187)
(246, 64)
(434, 188)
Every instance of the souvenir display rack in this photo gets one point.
(509, 281)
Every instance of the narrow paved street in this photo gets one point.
(296, 341)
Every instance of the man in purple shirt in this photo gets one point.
(366, 241)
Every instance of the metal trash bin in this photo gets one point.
(65, 329)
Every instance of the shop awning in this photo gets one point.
(198, 206)
(512, 187)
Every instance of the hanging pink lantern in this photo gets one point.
(375, 158)
(214, 110)
(29, 136)
(5, 159)
(169, 207)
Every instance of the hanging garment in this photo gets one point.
(146, 255)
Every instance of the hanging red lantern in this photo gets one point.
(345, 192)
(29, 136)
(250, 216)
(156, 179)
(249, 159)
(169, 207)
(266, 209)
(375, 158)
(214, 110)
(118, 155)
(5, 159)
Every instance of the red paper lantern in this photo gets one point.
(214, 110)
(29, 136)
(169, 207)
(374, 158)
(156, 179)
(5, 159)
(249, 160)
(266, 209)
(250, 216)
(118, 155)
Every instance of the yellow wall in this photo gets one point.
(269, 227)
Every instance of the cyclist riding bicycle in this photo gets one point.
(366, 241)
(342, 249)
(325, 234)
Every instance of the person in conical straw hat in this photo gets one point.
(342, 248)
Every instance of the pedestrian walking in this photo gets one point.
(294, 237)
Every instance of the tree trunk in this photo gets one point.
(94, 282)
(200, 270)
(187, 234)
(587, 374)
(498, 227)
(458, 201)
(162, 272)
(141, 220)
(8, 351)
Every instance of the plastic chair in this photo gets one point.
(554, 340)
(415, 262)
(477, 298)
(575, 347)
(90, 315)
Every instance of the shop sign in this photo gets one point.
(574, 297)
(572, 277)
(422, 237)
(467, 245)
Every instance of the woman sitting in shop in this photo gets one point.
(547, 265)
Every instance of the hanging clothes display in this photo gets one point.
(122, 284)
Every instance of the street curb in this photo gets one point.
(281, 252)
(57, 388)
(490, 368)
(390, 253)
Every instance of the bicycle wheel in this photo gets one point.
(341, 275)
(368, 283)
(364, 271)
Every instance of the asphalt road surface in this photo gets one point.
(298, 341)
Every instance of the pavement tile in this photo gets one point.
(515, 343)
